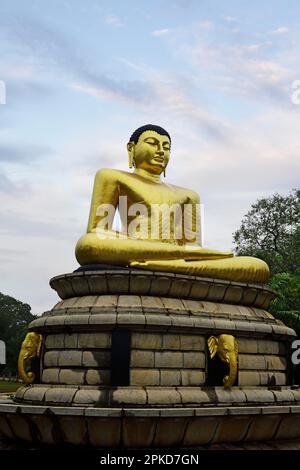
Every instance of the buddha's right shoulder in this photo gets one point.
(110, 174)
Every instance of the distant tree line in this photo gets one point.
(15, 317)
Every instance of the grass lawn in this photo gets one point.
(7, 387)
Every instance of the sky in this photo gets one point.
(80, 76)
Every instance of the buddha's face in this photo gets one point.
(151, 152)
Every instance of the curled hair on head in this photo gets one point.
(148, 127)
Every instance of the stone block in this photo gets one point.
(86, 302)
(144, 377)
(71, 341)
(233, 294)
(125, 396)
(248, 345)
(232, 429)
(200, 431)
(199, 290)
(106, 302)
(142, 358)
(168, 359)
(45, 427)
(51, 358)
(105, 321)
(289, 428)
(283, 396)
(80, 285)
(70, 357)
(182, 321)
(248, 378)
(50, 376)
(60, 395)
(96, 359)
(194, 396)
(259, 395)
(146, 341)
(170, 377)
(152, 303)
(5, 429)
(217, 291)
(74, 430)
(129, 301)
(192, 377)
(35, 394)
(65, 304)
(171, 342)
(118, 283)
(252, 361)
(244, 326)
(91, 397)
(82, 319)
(139, 284)
(193, 360)
(203, 323)
(104, 432)
(192, 343)
(64, 288)
(161, 285)
(163, 396)
(125, 318)
(173, 304)
(71, 376)
(193, 306)
(271, 347)
(55, 341)
(180, 287)
(97, 377)
(20, 427)
(97, 284)
(94, 340)
(138, 432)
(276, 363)
(161, 321)
(210, 307)
(249, 296)
(170, 432)
(228, 395)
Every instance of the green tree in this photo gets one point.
(14, 319)
(271, 231)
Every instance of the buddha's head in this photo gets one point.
(149, 149)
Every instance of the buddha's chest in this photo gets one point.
(148, 193)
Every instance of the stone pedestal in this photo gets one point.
(124, 363)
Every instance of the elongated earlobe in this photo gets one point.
(130, 149)
(164, 172)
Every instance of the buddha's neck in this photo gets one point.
(147, 175)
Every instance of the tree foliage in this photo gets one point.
(271, 231)
(14, 319)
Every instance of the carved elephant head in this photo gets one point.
(30, 349)
(226, 346)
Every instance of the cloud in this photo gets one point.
(5, 184)
(229, 19)
(280, 30)
(23, 154)
(161, 32)
(114, 21)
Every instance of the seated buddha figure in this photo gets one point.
(160, 223)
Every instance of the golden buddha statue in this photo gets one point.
(160, 222)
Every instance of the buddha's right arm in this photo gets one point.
(105, 196)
